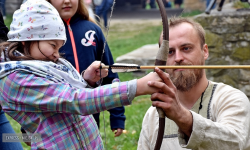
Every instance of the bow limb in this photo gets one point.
(161, 59)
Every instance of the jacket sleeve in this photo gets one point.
(117, 117)
(27, 92)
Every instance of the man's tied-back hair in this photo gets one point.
(174, 21)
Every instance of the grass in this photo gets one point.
(136, 35)
(122, 39)
(134, 114)
(192, 13)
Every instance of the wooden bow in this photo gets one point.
(161, 60)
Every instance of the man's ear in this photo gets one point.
(205, 51)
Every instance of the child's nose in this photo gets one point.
(56, 55)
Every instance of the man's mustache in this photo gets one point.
(182, 64)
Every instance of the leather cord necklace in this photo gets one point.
(200, 107)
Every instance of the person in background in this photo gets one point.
(5, 127)
(167, 3)
(102, 11)
(208, 2)
(150, 2)
(86, 40)
(177, 3)
(200, 114)
(88, 4)
(2, 8)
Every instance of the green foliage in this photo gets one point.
(239, 5)
(8, 20)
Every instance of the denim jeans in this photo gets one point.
(103, 10)
(152, 4)
(208, 2)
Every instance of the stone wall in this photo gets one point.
(190, 5)
(228, 39)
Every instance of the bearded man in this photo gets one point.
(200, 114)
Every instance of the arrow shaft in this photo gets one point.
(199, 67)
(181, 67)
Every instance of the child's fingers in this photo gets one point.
(96, 65)
(102, 64)
(104, 72)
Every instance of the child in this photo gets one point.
(84, 45)
(5, 126)
(45, 94)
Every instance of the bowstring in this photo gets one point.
(103, 51)
(107, 29)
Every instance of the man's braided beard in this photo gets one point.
(185, 80)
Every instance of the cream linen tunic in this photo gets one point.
(227, 129)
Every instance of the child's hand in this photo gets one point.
(117, 132)
(142, 84)
(92, 73)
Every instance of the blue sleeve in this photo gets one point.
(117, 117)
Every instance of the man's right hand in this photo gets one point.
(171, 104)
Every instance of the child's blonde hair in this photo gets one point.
(82, 11)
